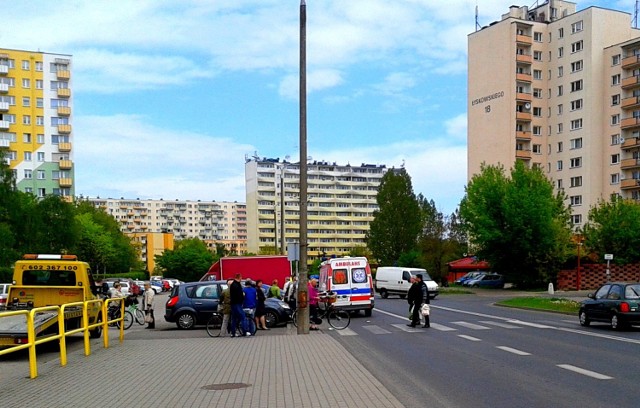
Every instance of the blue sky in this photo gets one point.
(170, 96)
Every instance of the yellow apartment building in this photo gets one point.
(341, 201)
(558, 89)
(36, 110)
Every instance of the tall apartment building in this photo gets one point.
(213, 222)
(341, 201)
(558, 89)
(35, 120)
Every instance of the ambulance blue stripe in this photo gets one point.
(352, 291)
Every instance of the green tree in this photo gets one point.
(517, 224)
(614, 228)
(188, 261)
(397, 222)
(60, 232)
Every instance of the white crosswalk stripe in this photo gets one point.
(471, 326)
(406, 328)
(471, 338)
(442, 327)
(374, 329)
(346, 332)
(499, 324)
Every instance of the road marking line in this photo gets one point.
(471, 326)
(536, 325)
(464, 336)
(441, 327)
(346, 332)
(582, 371)
(374, 329)
(514, 351)
(499, 324)
(406, 328)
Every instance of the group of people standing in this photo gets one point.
(418, 296)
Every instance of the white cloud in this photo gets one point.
(316, 81)
(122, 156)
(457, 127)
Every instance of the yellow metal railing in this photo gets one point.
(32, 341)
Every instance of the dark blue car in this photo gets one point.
(486, 280)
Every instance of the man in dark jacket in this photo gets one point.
(237, 299)
(424, 290)
(414, 297)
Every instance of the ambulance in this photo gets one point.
(350, 279)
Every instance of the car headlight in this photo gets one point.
(285, 306)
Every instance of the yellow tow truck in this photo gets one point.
(49, 280)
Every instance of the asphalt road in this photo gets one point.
(480, 355)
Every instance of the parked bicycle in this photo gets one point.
(337, 318)
(215, 323)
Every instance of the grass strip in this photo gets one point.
(549, 304)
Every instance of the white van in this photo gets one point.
(396, 280)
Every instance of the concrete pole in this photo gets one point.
(282, 230)
(303, 279)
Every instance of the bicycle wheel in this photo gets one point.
(128, 320)
(294, 318)
(214, 325)
(338, 319)
(139, 316)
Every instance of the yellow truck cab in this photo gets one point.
(49, 280)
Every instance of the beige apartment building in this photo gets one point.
(149, 222)
(558, 89)
(341, 200)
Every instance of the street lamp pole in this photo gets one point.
(303, 290)
(282, 239)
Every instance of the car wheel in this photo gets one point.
(584, 319)
(95, 333)
(384, 294)
(616, 324)
(186, 321)
(271, 318)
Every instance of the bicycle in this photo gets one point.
(214, 324)
(132, 307)
(337, 318)
(114, 313)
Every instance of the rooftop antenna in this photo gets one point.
(635, 16)
(478, 24)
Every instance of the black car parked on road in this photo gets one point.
(616, 303)
(191, 304)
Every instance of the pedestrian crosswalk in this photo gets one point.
(449, 327)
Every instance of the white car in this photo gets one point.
(4, 291)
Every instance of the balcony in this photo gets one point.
(629, 123)
(65, 182)
(523, 154)
(524, 39)
(63, 74)
(4, 69)
(631, 62)
(630, 163)
(4, 88)
(65, 164)
(630, 82)
(64, 147)
(64, 93)
(523, 116)
(523, 77)
(523, 135)
(631, 142)
(64, 129)
(524, 58)
(629, 184)
(4, 106)
(4, 125)
(64, 111)
(525, 97)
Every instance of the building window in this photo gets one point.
(576, 200)
(615, 79)
(26, 83)
(537, 55)
(560, 71)
(27, 156)
(560, 52)
(39, 83)
(559, 184)
(615, 158)
(576, 66)
(559, 165)
(615, 119)
(41, 175)
(537, 130)
(537, 74)
(576, 124)
(560, 127)
(615, 60)
(560, 109)
(576, 105)
(40, 156)
(537, 37)
(26, 137)
(615, 100)
(576, 143)
(28, 174)
(559, 147)
(576, 181)
(25, 65)
(560, 90)
(537, 149)
(26, 119)
(39, 66)
(615, 178)
(577, 46)
(576, 219)
(561, 32)
(26, 101)
(537, 93)
(40, 139)
(42, 192)
(40, 120)
(576, 27)
(537, 112)
(615, 139)
(576, 85)
(575, 162)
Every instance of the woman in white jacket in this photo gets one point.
(148, 305)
